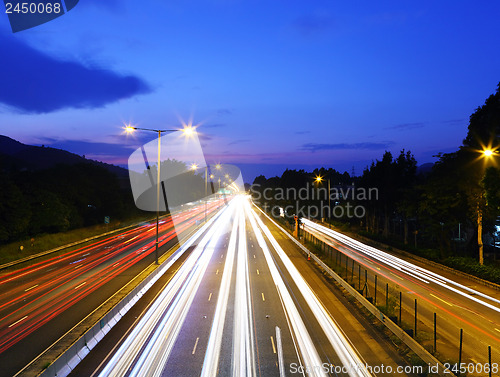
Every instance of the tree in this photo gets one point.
(15, 213)
(483, 134)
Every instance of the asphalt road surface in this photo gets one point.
(242, 305)
(458, 303)
(41, 301)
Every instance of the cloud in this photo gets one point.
(302, 132)
(239, 141)
(454, 122)
(406, 126)
(314, 147)
(224, 112)
(205, 137)
(33, 82)
(313, 23)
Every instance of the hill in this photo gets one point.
(15, 155)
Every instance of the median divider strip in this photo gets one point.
(66, 352)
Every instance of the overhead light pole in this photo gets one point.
(487, 154)
(194, 167)
(206, 190)
(319, 179)
(188, 131)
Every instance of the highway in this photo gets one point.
(41, 301)
(457, 302)
(239, 305)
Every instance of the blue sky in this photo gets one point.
(272, 84)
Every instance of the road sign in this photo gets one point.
(106, 219)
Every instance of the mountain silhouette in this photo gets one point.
(15, 155)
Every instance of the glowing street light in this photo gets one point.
(194, 166)
(187, 131)
(487, 153)
(318, 180)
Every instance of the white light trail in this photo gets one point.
(211, 361)
(243, 341)
(417, 272)
(304, 341)
(149, 327)
(342, 346)
(146, 351)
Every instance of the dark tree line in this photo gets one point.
(60, 198)
(445, 208)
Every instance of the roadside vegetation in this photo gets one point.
(435, 211)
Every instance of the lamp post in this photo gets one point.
(206, 191)
(188, 131)
(194, 167)
(485, 153)
(319, 179)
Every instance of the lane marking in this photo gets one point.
(80, 265)
(497, 329)
(15, 323)
(399, 277)
(133, 238)
(258, 272)
(281, 361)
(209, 296)
(222, 255)
(272, 342)
(78, 286)
(116, 264)
(440, 299)
(195, 344)
(254, 256)
(217, 272)
(30, 288)
(263, 298)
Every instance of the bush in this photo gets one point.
(471, 266)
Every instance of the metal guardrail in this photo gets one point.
(43, 253)
(396, 251)
(419, 350)
(69, 358)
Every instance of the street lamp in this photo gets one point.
(218, 167)
(188, 131)
(318, 180)
(486, 153)
(195, 167)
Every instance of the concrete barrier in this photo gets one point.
(71, 356)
